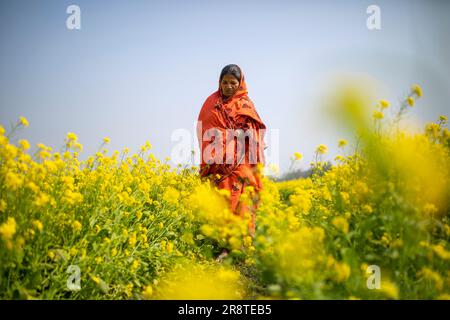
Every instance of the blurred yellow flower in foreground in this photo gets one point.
(147, 292)
(342, 271)
(201, 282)
(378, 115)
(417, 90)
(341, 224)
(298, 156)
(384, 104)
(37, 224)
(8, 229)
(171, 195)
(342, 143)
(321, 149)
(76, 226)
(390, 289)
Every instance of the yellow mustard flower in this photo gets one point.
(23, 121)
(417, 90)
(76, 226)
(8, 228)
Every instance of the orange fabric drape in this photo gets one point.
(236, 112)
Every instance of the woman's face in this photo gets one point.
(229, 85)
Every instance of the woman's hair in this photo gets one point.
(231, 69)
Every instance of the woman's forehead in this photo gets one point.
(229, 77)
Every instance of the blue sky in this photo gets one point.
(138, 70)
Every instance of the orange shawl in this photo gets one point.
(236, 112)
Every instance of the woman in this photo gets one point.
(223, 160)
